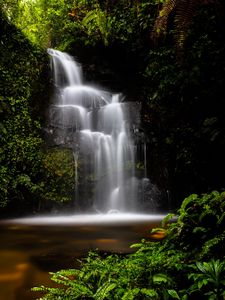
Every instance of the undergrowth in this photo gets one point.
(187, 264)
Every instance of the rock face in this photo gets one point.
(64, 132)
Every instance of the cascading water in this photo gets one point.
(97, 126)
(101, 135)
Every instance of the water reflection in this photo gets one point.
(29, 252)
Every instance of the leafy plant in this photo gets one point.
(156, 270)
(29, 179)
(209, 279)
(185, 11)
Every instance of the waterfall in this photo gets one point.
(101, 135)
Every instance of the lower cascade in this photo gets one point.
(97, 127)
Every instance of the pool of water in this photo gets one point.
(32, 247)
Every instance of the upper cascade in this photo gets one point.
(66, 71)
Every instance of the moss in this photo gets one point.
(59, 168)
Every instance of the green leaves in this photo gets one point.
(210, 280)
(173, 294)
(161, 278)
(156, 270)
(98, 22)
(22, 182)
(138, 293)
(187, 201)
(104, 291)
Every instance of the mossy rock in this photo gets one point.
(59, 167)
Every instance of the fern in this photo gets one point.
(50, 293)
(98, 22)
(184, 11)
(191, 199)
(131, 294)
(150, 293)
(104, 290)
(167, 219)
(211, 245)
(160, 26)
(156, 270)
(64, 276)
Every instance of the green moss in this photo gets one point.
(59, 170)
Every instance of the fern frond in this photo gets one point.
(185, 11)
(131, 294)
(90, 16)
(160, 26)
(104, 290)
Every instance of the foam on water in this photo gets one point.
(112, 218)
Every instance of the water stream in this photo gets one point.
(101, 135)
(32, 247)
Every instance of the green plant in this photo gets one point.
(29, 178)
(59, 175)
(185, 10)
(156, 270)
(200, 221)
(209, 279)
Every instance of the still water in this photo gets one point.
(32, 247)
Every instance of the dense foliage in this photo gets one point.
(187, 264)
(26, 175)
(20, 137)
(184, 114)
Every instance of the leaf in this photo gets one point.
(104, 290)
(159, 278)
(200, 266)
(188, 200)
(199, 229)
(81, 289)
(149, 292)
(173, 294)
(221, 219)
(91, 15)
(223, 283)
(167, 219)
(129, 295)
(139, 245)
(200, 284)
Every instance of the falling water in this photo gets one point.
(101, 132)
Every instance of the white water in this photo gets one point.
(101, 132)
(91, 219)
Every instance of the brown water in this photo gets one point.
(28, 252)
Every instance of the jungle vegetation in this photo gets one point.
(166, 54)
